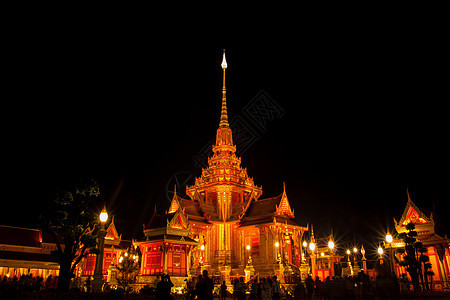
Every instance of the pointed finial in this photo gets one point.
(224, 61)
(223, 113)
(407, 192)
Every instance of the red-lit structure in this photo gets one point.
(26, 251)
(432, 236)
(113, 249)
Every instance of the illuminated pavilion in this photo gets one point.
(431, 235)
(224, 227)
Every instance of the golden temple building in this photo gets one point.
(225, 226)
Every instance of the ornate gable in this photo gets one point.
(178, 220)
(412, 214)
(112, 236)
(284, 208)
(175, 202)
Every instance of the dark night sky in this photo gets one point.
(364, 119)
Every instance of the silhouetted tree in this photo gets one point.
(414, 258)
(68, 220)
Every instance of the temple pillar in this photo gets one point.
(188, 259)
(165, 258)
(440, 251)
(332, 265)
(313, 264)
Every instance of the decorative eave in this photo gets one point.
(167, 238)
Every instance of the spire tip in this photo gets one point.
(224, 61)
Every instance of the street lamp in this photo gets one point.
(331, 248)
(380, 253)
(277, 246)
(103, 216)
(388, 238)
(331, 245)
(312, 247)
(249, 269)
(97, 283)
(391, 255)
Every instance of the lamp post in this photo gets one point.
(331, 248)
(278, 256)
(356, 268)
(391, 255)
(349, 261)
(380, 253)
(97, 283)
(312, 247)
(249, 269)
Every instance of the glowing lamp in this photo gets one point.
(312, 246)
(305, 244)
(355, 249)
(331, 244)
(202, 247)
(103, 216)
(248, 247)
(322, 254)
(380, 250)
(388, 238)
(348, 252)
(277, 244)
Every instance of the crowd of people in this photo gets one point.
(352, 287)
(355, 287)
(28, 283)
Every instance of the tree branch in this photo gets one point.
(79, 258)
(57, 242)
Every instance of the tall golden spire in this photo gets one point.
(223, 113)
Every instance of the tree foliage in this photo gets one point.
(71, 223)
(415, 259)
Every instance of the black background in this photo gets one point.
(365, 118)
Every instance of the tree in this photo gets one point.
(414, 258)
(72, 225)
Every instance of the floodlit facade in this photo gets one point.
(432, 236)
(225, 226)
